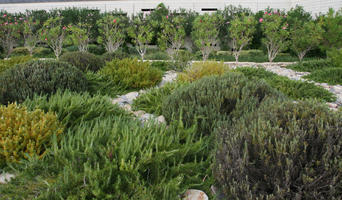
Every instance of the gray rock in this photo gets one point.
(195, 195)
(6, 177)
(139, 113)
(168, 77)
(129, 97)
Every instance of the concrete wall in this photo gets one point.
(133, 6)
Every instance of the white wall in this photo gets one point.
(318, 6)
(133, 6)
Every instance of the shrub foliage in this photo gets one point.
(41, 77)
(212, 99)
(132, 73)
(83, 61)
(283, 151)
(24, 133)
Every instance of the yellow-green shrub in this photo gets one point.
(201, 69)
(23, 132)
(131, 73)
(6, 64)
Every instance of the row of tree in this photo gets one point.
(234, 27)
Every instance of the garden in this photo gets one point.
(170, 104)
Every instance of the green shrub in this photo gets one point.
(332, 76)
(7, 64)
(182, 60)
(119, 54)
(297, 90)
(72, 108)
(96, 49)
(83, 61)
(132, 73)
(336, 57)
(152, 100)
(72, 48)
(20, 51)
(214, 98)
(282, 151)
(42, 52)
(162, 65)
(101, 85)
(119, 159)
(41, 77)
(311, 66)
(159, 55)
(24, 133)
(200, 69)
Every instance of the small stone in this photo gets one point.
(129, 97)
(6, 177)
(161, 119)
(195, 195)
(127, 107)
(146, 117)
(117, 101)
(139, 113)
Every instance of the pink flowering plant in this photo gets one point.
(205, 33)
(275, 30)
(241, 33)
(112, 32)
(171, 37)
(54, 34)
(141, 30)
(79, 35)
(30, 33)
(10, 32)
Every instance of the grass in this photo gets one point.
(297, 90)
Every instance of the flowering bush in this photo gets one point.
(205, 33)
(172, 35)
(53, 33)
(112, 32)
(142, 34)
(241, 31)
(274, 27)
(9, 32)
(80, 35)
(30, 33)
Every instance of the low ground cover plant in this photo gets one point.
(83, 61)
(200, 69)
(311, 66)
(39, 77)
(25, 133)
(296, 90)
(214, 98)
(259, 157)
(153, 99)
(72, 108)
(332, 76)
(131, 73)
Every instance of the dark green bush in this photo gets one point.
(101, 85)
(336, 57)
(42, 52)
(119, 54)
(83, 61)
(311, 66)
(214, 98)
(72, 108)
(332, 76)
(96, 49)
(153, 99)
(162, 65)
(20, 51)
(41, 77)
(282, 151)
(7, 64)
(296, 90)
(159, 55)
(132, 73)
